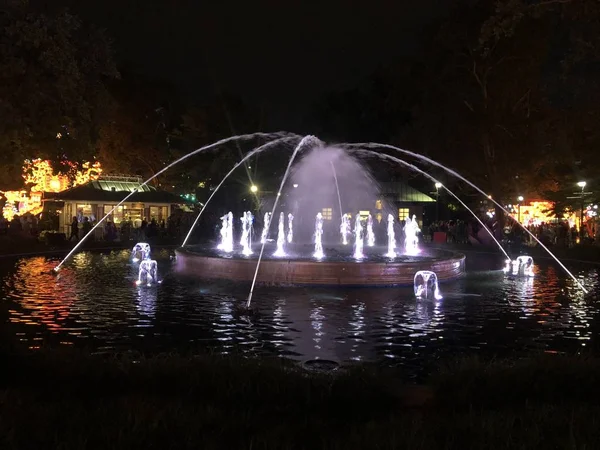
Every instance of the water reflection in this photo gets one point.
(94, 302)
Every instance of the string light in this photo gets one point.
(39, 175)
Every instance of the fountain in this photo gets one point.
(370, 234)
(290, 235)
(426, 283)
(148, 273)
(345, 229)
(246, 239)
(141, 251)
(226, 232)
(280, 237)
(391, 253)
(344, 183)
(521, 267)
(318, 236)
(411, 239)
(265, 231)
(358, 238)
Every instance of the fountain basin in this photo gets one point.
(447, 265)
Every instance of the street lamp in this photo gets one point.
(520, 198)
(254, 189)
(582, 185)
(438, 185)
(295, 185)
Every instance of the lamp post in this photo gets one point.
(582, 185)
(437, 201)
(520, 199)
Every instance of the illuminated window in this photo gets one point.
(364, 213)
(402, 213)
(158, 213)
(84, 211)
(378, 205)
(327, 213)
(117, 214)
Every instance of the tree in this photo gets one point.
(53, 72)
(490, 108)
(134, 138)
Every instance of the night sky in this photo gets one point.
(282, 55)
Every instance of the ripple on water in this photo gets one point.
(94, 302)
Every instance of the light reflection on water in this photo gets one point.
(94, 302)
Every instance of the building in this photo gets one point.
(97, 198)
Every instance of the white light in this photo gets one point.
(253, 188)
(582, 184)
(438, 185)
(295, 185)
(520, 198)
(595, 206)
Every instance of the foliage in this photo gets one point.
(53, 70)
(211, 402)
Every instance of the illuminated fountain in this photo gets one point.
(358, 238)
(246, 239)
(318, 237)
(370, 234)
(411, 238)
(345, 229)
(265, 231)
(226, 233)
(280, 236)
(391, 253)
(520, 267)
(290, 235)
(148, 273)
(445, 264)
(426, 284)
(141, 251)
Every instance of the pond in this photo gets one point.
(94, 303)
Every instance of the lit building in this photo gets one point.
(97, 198)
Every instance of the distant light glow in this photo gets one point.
(582, 184)
(254, 188)
(438, 185)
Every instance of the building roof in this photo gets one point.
(402, 192)
(113, 190)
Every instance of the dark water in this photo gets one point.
(94, 303)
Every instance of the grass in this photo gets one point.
(72, 400)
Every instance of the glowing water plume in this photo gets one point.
(318, 237)
(358, 238)
(345, 229)
(411, 237)
(426, 283)
(242, 161)
(304, 141)
(280, 236)
(163, 170)
(265, 231)
(290, 234)
(370, 234)
(425, 174)
(522, 266)
(474, 186)
(337, 188)
(246, 239)
(226, 233)
(391, 253)
(141, 251)
(148, 273)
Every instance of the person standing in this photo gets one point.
(74, 229)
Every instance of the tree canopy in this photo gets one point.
(53, 73)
